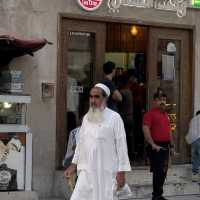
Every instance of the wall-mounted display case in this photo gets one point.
(15, 144)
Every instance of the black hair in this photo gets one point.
(163, 95)
(108, 67)
(198, 112)
(123, 80)
(157, 95)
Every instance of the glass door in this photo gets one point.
(80, 75)
(82, 56)
(170, 71)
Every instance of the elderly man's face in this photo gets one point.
(96, 98)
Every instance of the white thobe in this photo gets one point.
(100, 153)
(194, 130)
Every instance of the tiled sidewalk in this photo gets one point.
(185, 197)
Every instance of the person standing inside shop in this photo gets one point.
(157, 133)
(115, 97)
(126, 111)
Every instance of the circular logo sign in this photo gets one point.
(90, 5)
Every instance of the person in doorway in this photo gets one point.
(193, 138)
(126, 111)
(101, 156)
(157, 133)
(138, 102)
(115, 97)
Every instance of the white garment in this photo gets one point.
(72, 96)
(194, 130)
(101, 152)
(16, 160)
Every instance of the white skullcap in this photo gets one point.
(104, 88)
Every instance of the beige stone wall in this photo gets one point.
(39, 18)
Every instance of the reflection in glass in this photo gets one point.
(80, 67)
(168, 71)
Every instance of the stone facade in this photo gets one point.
(40, 18)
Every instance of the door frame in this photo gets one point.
(67, 25)
(185, 99)
(60, 72)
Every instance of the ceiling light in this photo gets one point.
(134, 30)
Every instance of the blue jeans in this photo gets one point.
(196, 156)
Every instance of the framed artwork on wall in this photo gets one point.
(47, 90)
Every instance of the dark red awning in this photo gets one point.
(11, 47)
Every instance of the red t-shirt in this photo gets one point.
(159, 125)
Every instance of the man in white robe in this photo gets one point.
(101, 154)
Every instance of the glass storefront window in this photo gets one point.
(12, 113)
(168, 72)
(80, 73)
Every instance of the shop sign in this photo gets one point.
(76, 89)
(196, 3)
(90, 5)
(179, 6)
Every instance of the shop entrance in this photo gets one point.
(126, 46)
(153, 58)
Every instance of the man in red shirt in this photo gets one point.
(157, 133)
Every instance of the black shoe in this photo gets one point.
(159, 198)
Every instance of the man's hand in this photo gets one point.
(156, 147)
(120, 179)
(69, 171)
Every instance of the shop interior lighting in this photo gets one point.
(134, 30)
(7, 105)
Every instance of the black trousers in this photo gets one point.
(159, 166)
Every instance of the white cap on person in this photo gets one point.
(104, 88)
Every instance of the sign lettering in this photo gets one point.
(90, 5)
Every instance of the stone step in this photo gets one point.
(178, 182)
(178, 197)
(19, 195)
(140, 181)
(52, 198)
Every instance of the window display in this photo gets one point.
(10, 113)
(15, 144)
(12, 161)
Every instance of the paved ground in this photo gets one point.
(185, 197)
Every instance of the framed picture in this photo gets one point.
(47, 90)
(12, 161)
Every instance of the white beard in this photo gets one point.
(95, 115)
